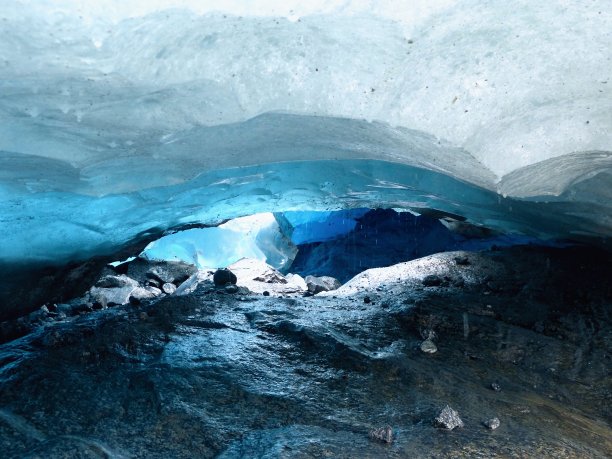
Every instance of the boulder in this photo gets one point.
(175, 272)
(322, 284)
(119, 291)
(259, 277)
(223, 277)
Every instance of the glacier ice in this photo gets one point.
(122, 120)
(255, 237)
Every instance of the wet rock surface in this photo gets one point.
(211, 374)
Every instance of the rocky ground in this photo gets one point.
(510, 348)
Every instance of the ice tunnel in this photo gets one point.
(124, 121)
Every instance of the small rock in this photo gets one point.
(223, 277)
(492, 424)
(144, 316)
(496, 387)
(231, 288)
(266, 293)
(382, 434)
(168, 288)
(448, 419)
(367, 299)
(433, 280)
(429, 347)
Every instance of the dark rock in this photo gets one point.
(492, 423)
(266, 293)
(223, 277)
(367, 299)
(382, 434)
(496, 387)
(462, 260)
(231, 288)
(321, 284)
(432, 280)
(448, 419)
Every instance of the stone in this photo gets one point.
(120, 281)
(432, 280)
(257, 276)
(120, 294)
(492, 423)
(223, 277)
(448, 419)
(322, 284)
(168, 288)
(175, 272)
(367, 299)
(429, 347)
(496, 387)
(231, 288)
(266, 293)
(382, 434)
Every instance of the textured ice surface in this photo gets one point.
(122, 118)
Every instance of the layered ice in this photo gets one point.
(119, 120)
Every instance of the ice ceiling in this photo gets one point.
(119, 117)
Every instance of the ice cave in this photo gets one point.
(284, 229)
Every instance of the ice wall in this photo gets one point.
(120, 119)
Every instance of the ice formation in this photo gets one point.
(123, 119)
(256, 237)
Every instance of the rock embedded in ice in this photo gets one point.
(448, 419)
(223, 277)
(382, 434)
(322, 284)
(492, 423)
